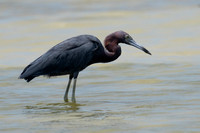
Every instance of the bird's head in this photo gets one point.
(124, 37)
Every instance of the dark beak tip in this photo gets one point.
(149, 53)
(133, 43)
(146, 51)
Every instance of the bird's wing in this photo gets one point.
(66, 57)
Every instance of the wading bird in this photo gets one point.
(75, 54)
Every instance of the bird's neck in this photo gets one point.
(112, 49)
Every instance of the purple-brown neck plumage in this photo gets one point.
(112, 49)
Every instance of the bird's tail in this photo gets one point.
(26, 75)
(28, 79)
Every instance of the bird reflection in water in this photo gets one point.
(54, 107)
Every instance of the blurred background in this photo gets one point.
(137, 92)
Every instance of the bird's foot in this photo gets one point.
(66, 99)
(73, 100)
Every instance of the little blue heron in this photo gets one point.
(75, 54)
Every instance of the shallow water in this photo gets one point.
(136, 93)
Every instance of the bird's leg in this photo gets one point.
(67, 89)
(74, 87)
(73, 92)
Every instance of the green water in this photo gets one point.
(136, 93)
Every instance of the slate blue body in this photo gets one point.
(67, 57)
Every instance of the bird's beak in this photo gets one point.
(133, 43)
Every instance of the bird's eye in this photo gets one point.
(127, 36)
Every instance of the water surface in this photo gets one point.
(136, 93)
